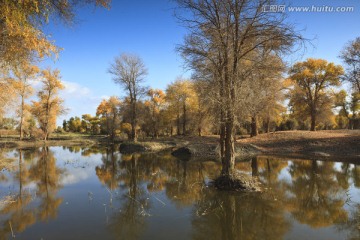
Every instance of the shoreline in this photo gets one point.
(322, 145)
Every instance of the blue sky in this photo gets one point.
(149, 29)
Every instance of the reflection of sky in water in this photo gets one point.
(78, 167)
(284, 174)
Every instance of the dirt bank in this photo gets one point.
(329, 144)
(319, 144)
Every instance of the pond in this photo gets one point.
(97, 193)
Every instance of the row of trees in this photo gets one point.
(185, 108)
(175, 111)
(190, 106)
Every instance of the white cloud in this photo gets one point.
(75, 90)
(74, 176)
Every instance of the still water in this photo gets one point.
(97, 193)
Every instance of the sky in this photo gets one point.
(150, 30)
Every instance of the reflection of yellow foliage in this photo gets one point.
(7, 163)
(22, 220)
(129, 157)
(157, 182)
(48, 208)
(106, 177)
(316, 197)
(243, 166)
(47, 176)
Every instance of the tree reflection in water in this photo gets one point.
(129, 222)
(238, 216)
(226, 215)
(316, 197)
(108, 171)
(47, 175)
(352, 225)
(41, 169)
(312, 193)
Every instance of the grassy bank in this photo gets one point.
(68, 139)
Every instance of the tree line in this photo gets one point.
(186, 108)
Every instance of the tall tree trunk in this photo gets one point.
(230, 75)
(184, 118)
(222, 125)
(22, 118)
(267, 124)
(313, 121)
(222, 142)
(254, 126)
(178, 124)
(351, 122)
(133, 122)
(47, 117)
(113, 127)
(229, 162)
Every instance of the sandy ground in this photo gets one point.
(329, 143)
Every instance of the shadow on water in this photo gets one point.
(143, 196)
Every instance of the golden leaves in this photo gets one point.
(110, 106)
(49, 105)
(21, 22)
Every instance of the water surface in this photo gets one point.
(97, 193)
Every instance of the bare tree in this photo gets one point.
(223, 34)
(129, 71)
(351, 56)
